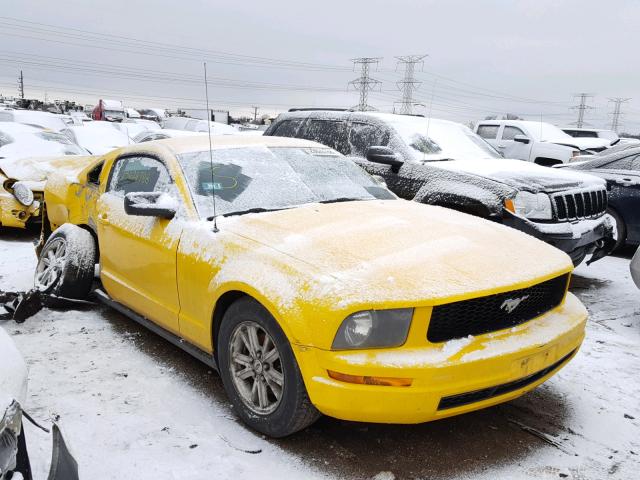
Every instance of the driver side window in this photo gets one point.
(509, 133)
(138, 174)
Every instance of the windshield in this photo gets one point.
(70, 148)
(114, 113)
(445, 140)
(259, 177)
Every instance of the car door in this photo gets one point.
(509, 148)
(623, 181)
(138, 254)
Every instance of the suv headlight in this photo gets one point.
(374, 329)
(534, 206)
(10, 427)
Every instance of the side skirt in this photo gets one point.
(192, 350)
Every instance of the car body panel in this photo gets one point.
(313, 265)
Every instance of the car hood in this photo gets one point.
(399, 251)
(581, 143)
(13, 373)
(38, 168)
(523, 175)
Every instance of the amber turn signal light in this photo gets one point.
(363, 380)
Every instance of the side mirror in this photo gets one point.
(521, 139)
(150, 204)
(385, 156)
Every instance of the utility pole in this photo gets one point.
(617, 112)
(21, 85)
(582, 107)
(255, 113)
(365, 83)
(409, 84)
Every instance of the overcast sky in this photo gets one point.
(489, 57)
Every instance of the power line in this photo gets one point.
(364, 83)
(582, 107)
(409, 83)
(617, 112)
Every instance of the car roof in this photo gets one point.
(380, 116)
(18, 128)
(198, 143)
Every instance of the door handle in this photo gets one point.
(502, 147)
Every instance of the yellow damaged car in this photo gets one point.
(308, 285)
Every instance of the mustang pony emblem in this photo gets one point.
(510, 304)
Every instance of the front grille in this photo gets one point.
(495, 312)
(461, 399)
(581, 204)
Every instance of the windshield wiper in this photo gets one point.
(342, 199)
(249, 210)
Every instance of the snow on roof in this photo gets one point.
(14, 128)
(112, 105)
(198, 143)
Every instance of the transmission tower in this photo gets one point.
(365, 83)
(582, 107)
(21, 85)
(617, 112)
(409, 84)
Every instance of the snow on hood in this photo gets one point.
(37, 169)
(13, 373)
(581, 143)
(399, 251)
(523, 175)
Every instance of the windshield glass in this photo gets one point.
(114, 113)
(254, 177)
(70, 148)
(444, 140)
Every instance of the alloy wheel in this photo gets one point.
(256, 368)
(51, 264)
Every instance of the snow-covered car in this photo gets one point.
(444, 163)
(196, 125)
(97, 137)
(22, 186)
(46, 120)
(20, 141)
(161, 134)
(153, 114)
(634, 266)
(537, 142)
(14, 457)
(308, 285)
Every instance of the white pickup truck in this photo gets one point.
(537, 142)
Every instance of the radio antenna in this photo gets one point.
(213, 183)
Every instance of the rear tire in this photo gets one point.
(66, 263)
(283, 406)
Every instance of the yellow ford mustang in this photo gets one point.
(315, 290)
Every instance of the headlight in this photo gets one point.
(23, 194)
(374, 329)
(534, 206)
(10, 427)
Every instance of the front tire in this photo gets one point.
(260, 373)
(66, 263)
(619, 228)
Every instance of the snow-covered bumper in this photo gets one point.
(14, 214)
(445, 379)
(577, 238)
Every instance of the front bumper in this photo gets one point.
(14, 214)
(584, 236)
(444, 371)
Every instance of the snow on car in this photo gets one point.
(281, 250)
(161, 134)
(34, 118)
(19, 141)
(538, 142)
(97, 137)
(444, 163)
(196, 125)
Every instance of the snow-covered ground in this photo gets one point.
(133, 406)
